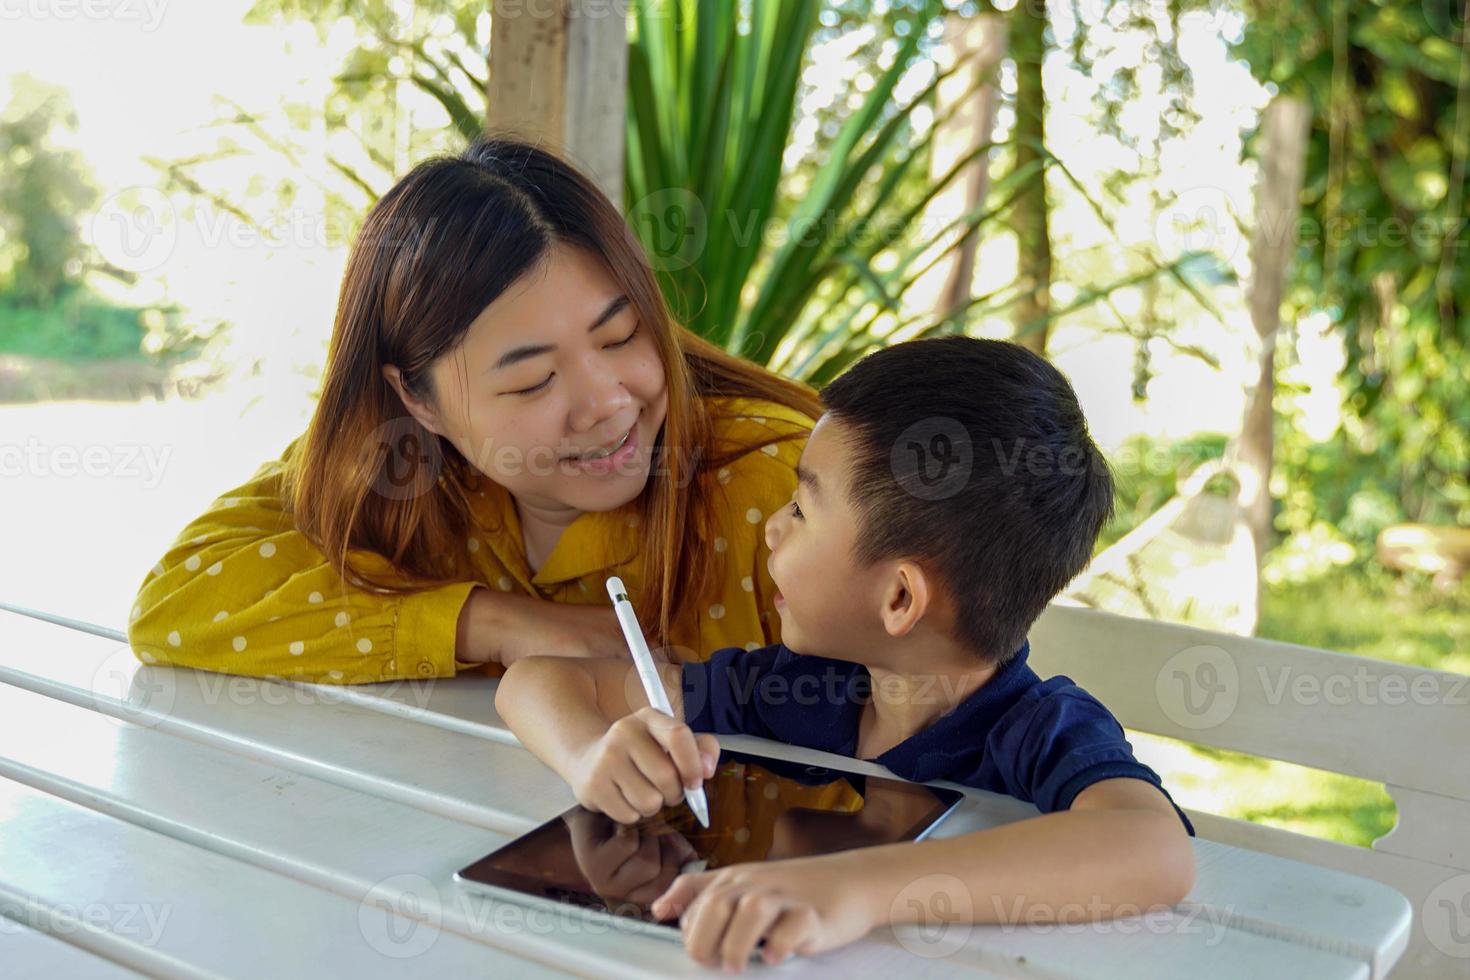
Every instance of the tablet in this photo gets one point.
(586, 864)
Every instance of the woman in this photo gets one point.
(509, 415)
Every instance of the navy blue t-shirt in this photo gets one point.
(1041, 741)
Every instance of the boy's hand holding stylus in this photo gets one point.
(642, 763)
(612, 731)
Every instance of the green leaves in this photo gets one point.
(711, 97)
(1386, 253)
(806, 264)
(789, 272)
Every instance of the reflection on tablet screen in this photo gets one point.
(760, 809)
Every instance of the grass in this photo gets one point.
(1375, 613)
(79, 327)
(1357, 609)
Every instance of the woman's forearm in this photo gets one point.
(504, 627)
(480, 626)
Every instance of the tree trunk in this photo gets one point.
(1284, 126)
(978, 43)
(558, 74)
(1033, 238)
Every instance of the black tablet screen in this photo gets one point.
(760, 809)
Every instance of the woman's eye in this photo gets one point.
(626, 340)
(532, 391)
(796, 511)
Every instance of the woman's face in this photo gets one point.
(553, 374)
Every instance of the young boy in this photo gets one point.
(948, 493)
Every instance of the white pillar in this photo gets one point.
(558, 73)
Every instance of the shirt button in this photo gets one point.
(425, 668)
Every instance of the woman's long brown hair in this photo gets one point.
(368, 484)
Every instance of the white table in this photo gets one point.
(180, 823)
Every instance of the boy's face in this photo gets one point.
(828, 605)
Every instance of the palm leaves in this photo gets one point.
(804, 284)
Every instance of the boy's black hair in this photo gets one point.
(973, 457)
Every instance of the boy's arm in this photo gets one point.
(590, 721)
(1118, 851)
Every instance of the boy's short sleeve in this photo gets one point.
(718, 691)
(1063, 741)
(771, 692)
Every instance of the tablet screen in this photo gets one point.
(760, 809)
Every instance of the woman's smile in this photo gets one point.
(613, 458)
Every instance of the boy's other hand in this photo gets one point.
(641, 765)
(802, 905)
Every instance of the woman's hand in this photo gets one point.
(500, 627)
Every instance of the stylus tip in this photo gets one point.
(697, 803)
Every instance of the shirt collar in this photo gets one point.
(593, 543)
(962, 730)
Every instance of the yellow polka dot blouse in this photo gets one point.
(242, 591)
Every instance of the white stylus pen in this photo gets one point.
(653, 686)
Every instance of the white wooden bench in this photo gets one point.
(353, 805)
(1405, 727)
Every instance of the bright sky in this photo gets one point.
(146, 83)
(139, 78)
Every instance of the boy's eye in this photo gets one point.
(796, 511)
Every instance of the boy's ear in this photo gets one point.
(420, 409)
(906, 598)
